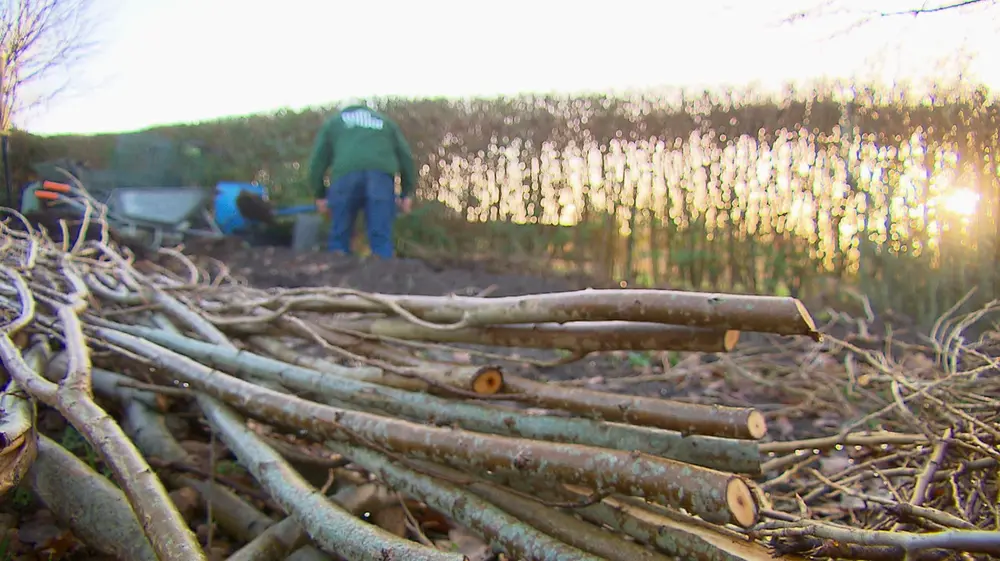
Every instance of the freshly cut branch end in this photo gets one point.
(741, 502)
(808, 320)
(483, 380)
(688, 418)
(756, 425)
(730, 339)
(488, 381)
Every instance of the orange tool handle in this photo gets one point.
(47, 195)
(53, 186)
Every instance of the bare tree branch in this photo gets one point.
(942, 8)
(38, 38)
(870, 13)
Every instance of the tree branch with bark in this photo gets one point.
(38, 39)
(870, 12)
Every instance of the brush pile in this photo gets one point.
(358, 444)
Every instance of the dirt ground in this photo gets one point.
(267, 267)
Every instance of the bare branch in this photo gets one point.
(860, 17)
(942, 8)
(38, 39)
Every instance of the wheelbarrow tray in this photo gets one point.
(166, 207)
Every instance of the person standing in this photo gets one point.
(364, 151)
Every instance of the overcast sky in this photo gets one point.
(168, 61)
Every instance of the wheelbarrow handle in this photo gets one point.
(58, 187)
(47, 195)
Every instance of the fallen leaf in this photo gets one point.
(201, 531)
(468, 544)
(37, 534)
(392, 519)
(362, 498)
(201, 451)
(60, 546)
(428, 519)
(186, 499)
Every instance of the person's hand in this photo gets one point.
(405, 205)
(321, 207)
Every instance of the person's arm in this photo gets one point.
(319, 162)
(407, 168)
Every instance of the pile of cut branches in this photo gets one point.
(360, 447)
(883, 440)
(912, 470)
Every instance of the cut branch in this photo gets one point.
(718, 453)
(580, 337)
(715, 496)
(768, 314)
(688, 418)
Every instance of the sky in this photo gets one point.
(172, 61)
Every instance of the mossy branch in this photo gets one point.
(97, 511)
(715, 496)
(718, 453)
(499, 528)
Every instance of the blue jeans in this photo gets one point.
(369, 190)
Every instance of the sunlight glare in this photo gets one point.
(962, 201)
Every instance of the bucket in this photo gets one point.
(227, 216)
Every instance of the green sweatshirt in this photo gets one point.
(357, 138)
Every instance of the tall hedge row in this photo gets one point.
(810, 192)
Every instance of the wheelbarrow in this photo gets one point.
(149, 216)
